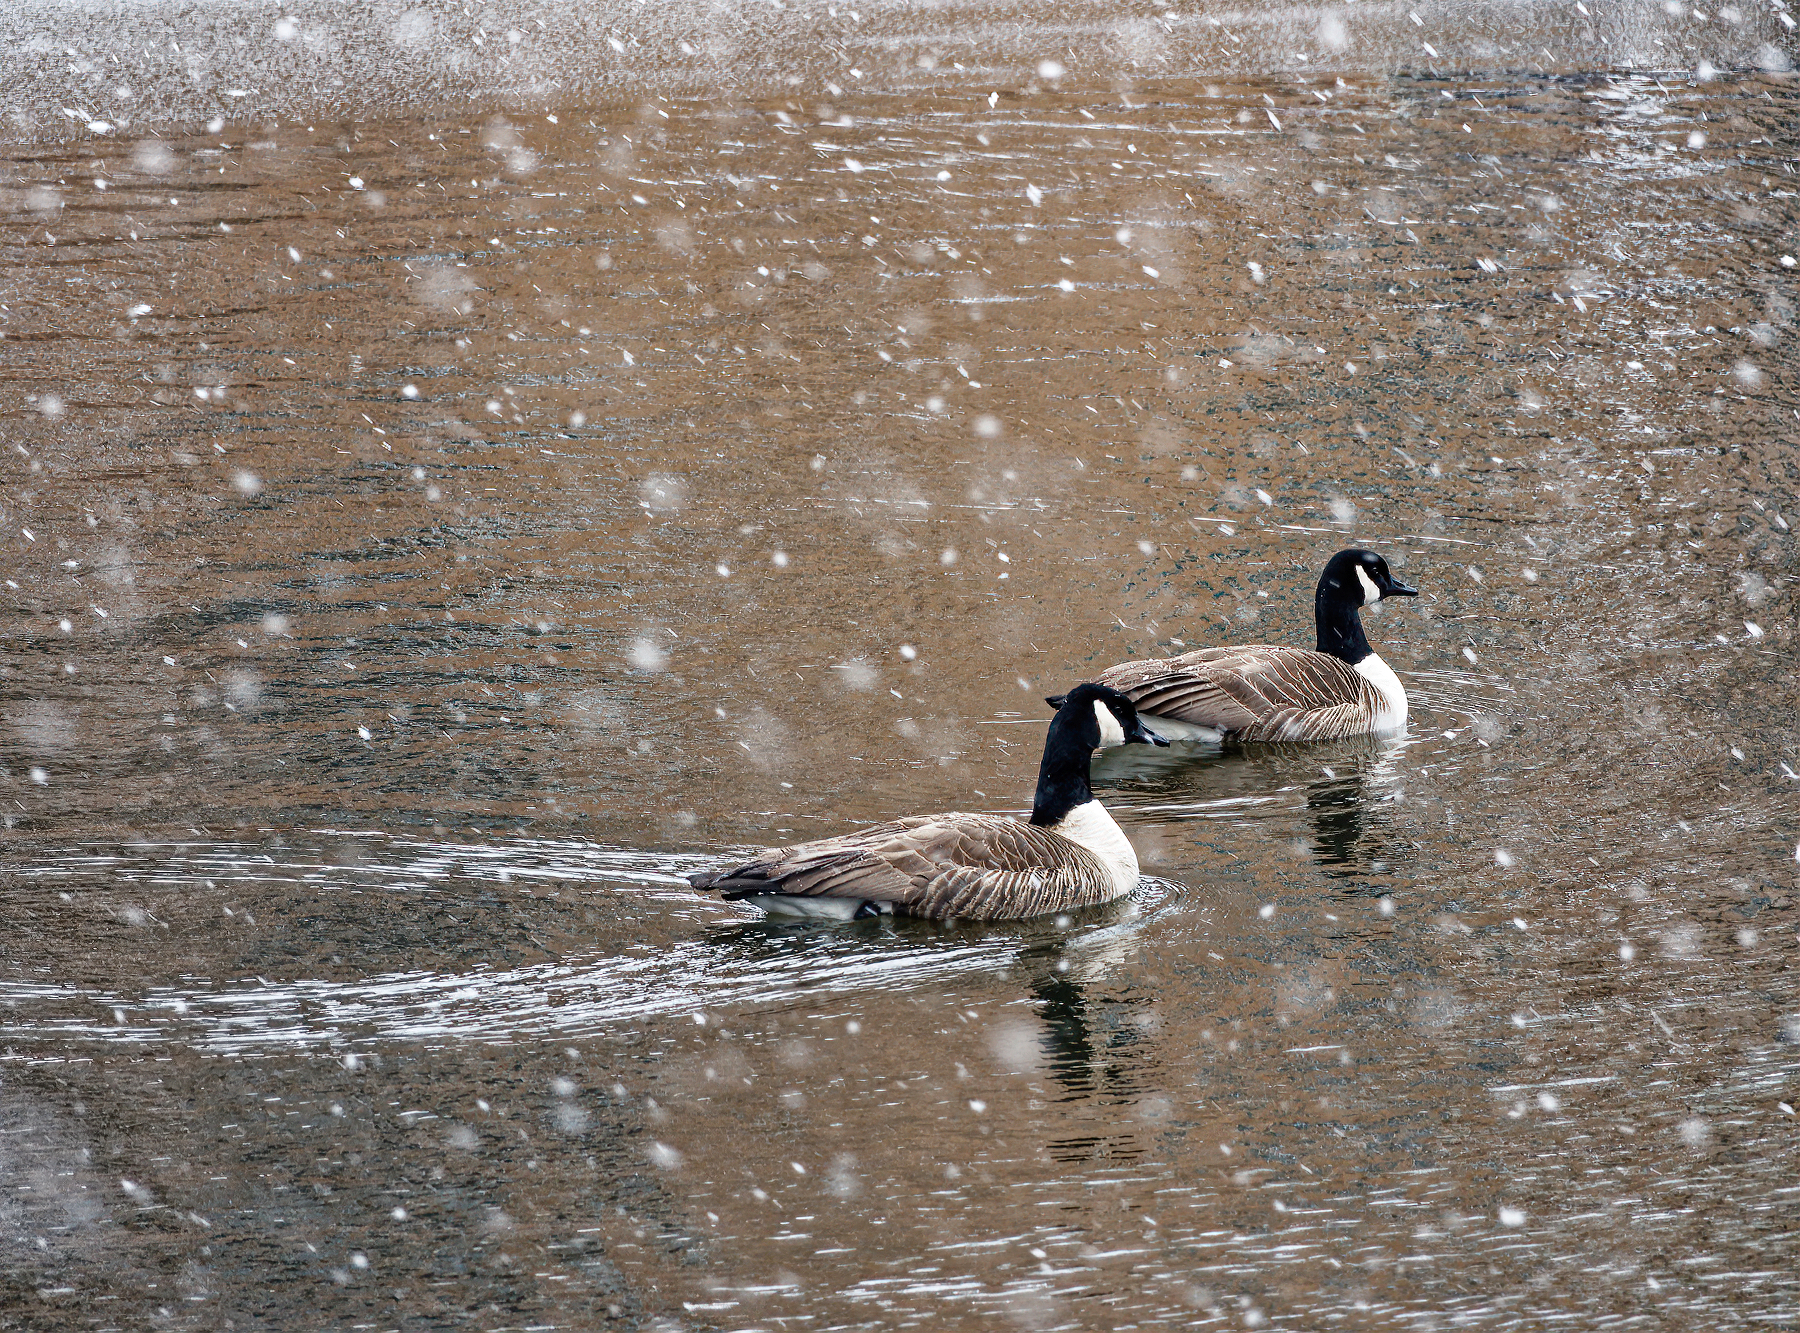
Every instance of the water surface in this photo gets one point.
(430, 536)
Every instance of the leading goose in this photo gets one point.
(964, 866)
(1265, 692)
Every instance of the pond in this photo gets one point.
(437, 523)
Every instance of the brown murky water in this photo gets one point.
(426, 538)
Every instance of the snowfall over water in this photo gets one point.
(116, 66)
(467, 467)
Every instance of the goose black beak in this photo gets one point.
(1398, 590)
(1056, 700)
(1142, 735)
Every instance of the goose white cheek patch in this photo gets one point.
(1111, 733)
(1371, 594)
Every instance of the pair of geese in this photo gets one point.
(1071, 854)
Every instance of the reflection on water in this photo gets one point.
(1343, 786)
(429, 537)
(1097, 1047)
(1348, 823)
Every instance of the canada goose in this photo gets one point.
(971, 867)
(1265, 692)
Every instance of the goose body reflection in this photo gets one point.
(1267, 692)
(1332, 797)
(974, 867)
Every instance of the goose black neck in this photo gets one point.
(1063, 776)
(1339, 623)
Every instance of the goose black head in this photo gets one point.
(1104, 715)
(1359, 578)
(1087, 717)
(1352, 580)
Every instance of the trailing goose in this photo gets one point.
(1265, 692)
(966, 866)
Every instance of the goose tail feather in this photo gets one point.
(805, 876)
(737, 882)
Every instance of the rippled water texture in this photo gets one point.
(426, 538)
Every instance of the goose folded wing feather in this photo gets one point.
(1191, 688)
(1296, 678)
(1252, 688)
(1005, 869)
(867, 876)
(1306, 724)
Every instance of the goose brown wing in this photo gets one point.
(1252, 691)
(974, 867)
